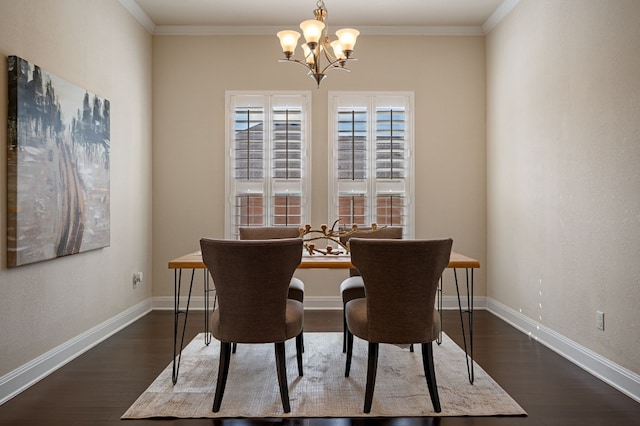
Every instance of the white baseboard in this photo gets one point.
(165, 303)
(335, 302)
(310, 303)
(609, 372)
(18, 380)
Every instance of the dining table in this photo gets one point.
(339, 260)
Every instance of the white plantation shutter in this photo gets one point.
(287, 142)
(248, 143)
(390, 142)
(371, 169)
(352, 143)
(352, 164)
(391, 164)
(268, 168)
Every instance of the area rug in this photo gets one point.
(252, 386)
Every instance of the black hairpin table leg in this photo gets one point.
(207, 309)
(177, 353)
(439, 304)
(468, 348)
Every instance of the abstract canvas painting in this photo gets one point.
(58, 166)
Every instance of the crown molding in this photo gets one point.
(498, 15)
(139, 14)
(203, 30)
(208, 30)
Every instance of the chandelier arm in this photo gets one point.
(333, 65)
(325, 50)
(337, 65)
(297, 61)
(316, 61)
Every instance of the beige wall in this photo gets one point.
(192, 73)
(97, 45)
(563, 174)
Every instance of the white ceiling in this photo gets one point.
(380, 16)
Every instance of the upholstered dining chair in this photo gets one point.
(296, 286)
(353, 287)
(252, 282)
(400, 278)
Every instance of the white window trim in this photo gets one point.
(229, 155)
(333, 104)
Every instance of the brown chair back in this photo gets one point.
(252, 281)
(393, 232)
(268, 232)
(400, 279)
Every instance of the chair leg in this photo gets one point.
(299, 350)
(281, 367)
(430, 373)
(372, 369)
(411, 347)
(344, 330)
(349, 352)
(223, 371)
(234, 347)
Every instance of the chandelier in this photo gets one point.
(318, 45)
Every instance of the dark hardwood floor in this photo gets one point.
(97, 387)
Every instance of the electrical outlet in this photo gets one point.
(137, 279)
(600, 320)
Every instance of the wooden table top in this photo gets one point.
(318, 261)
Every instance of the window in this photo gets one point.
(371, 163)
(268, 165)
